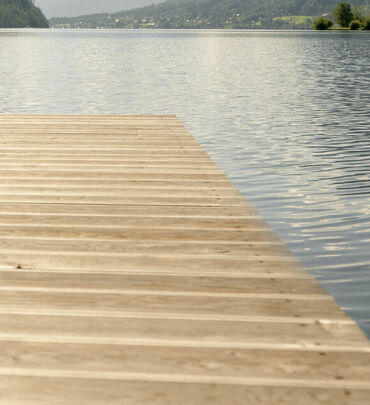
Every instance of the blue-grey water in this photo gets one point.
(285, 114)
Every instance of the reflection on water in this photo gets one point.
(285, 114)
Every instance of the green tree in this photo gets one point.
(354, 25)
(322, 23)
(342, 14)
(21, 13)
(366, 23)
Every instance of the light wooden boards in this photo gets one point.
(133, 272)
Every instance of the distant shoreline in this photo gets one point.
(188, 29)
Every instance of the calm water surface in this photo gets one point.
(285, 114)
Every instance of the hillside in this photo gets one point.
(71, 8)
(21, 13)
(212, 14)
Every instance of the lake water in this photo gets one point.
(285, 114)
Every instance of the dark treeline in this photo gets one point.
(212, 14)
(21, 13)
(346, 17)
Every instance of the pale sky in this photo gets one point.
(69, 8)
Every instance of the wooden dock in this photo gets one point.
(133, 272)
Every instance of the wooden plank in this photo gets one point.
(127, 184)
(269, 332)
(117, 191)
(104, 210)
(61, 301)
(201, 361)
(161, 282)
(55, 219)
(152, 246)
(189, 264)
(52, 391)
(132, 271)
(160, 175)
(132, 233)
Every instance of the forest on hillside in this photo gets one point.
(212, 14)
(21, 13)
